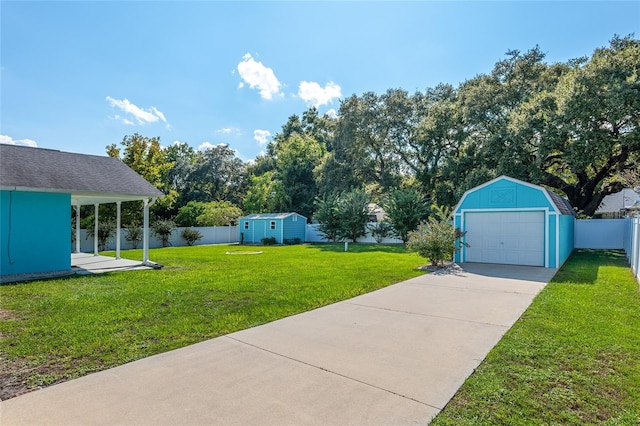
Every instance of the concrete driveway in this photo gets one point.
(394, 356)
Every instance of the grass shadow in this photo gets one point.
(583, 265)
(360, 247)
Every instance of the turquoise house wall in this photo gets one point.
(567, 229)
(295, 226)
(35, 232)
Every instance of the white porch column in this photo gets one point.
(95, 231)
(145, 232)
(118, 220)
(77, 228)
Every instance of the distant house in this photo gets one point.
(619, 204)
(284, 227)
(39, 186)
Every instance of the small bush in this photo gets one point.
(105, 231)
(134, 236)
(380, 231)
(163, 229)
(293, 241)
(436, 239)
(268, 241)
(190, 235)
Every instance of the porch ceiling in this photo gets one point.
(84, 199)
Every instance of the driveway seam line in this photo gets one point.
(426, 315)
(331, 372)
(473, 289)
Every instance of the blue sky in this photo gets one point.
(78, 76)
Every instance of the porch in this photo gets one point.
(88, 264)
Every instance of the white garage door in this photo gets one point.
(514, 238)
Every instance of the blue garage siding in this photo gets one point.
(567, 232)
(35, 232)
(295, 226)
(504, 194)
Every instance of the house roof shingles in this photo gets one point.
(57, 171)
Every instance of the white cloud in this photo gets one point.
(124, 120)
(332, 113)
(142, 116)
(22, 142)
(261, 136)
(208, 145)
(228, 130)
(205, 146)
(256, 75)
(315, 95)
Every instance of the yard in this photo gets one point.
(55, 330)
(572, 358)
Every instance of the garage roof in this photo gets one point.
(88, 178)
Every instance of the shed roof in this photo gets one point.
(88, 178)
(270, 215)
(561, 203)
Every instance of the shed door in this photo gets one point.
(514, 238)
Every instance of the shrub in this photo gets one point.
(106, 230)
(436, 238)
(134, 235)
(405, 209)
(290, 241)
(163, 229)
(380, 231)
(188, 214)
(268, 241)
(327, 216)
(190, 235)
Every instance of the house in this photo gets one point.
(39, 186)
(284, 227)
(509, 221)
(619, 204)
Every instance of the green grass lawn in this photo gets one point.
(573, 358)
(55, 330)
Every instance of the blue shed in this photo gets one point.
(284, 227)
(509, 221)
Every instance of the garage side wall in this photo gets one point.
(35, 232)
(567, 235)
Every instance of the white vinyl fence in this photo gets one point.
(611, 234)
(313, 235)
(632, 244)
(600, 233)
(210, 235)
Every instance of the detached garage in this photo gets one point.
(509, 221)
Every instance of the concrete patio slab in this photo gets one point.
(88, 263)
(394, 356)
